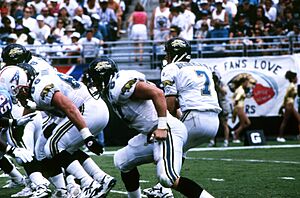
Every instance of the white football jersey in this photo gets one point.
(193, 84)
(47, 83)
(39, 64)
(138, 114)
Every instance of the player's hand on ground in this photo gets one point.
(92, 144)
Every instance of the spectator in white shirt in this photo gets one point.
(28, 20)
(49, 20)
(66, 39)
(189, 18)
(38, 5)
(43, 30)
(32, 44)
(178, 19)
(270, 10)
(52, 50)
(70, 5)
(74, 49)
(59, 30)
(91, 46)
(86, 19)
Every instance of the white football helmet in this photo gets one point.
(13, 78)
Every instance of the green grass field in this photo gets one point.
(265, 172)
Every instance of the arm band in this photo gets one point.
(85, 133)
(162, 123)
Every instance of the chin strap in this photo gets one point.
(183, 56)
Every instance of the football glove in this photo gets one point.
(21, 153)
(92, 144)
(24, 119)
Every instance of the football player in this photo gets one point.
(16, 53)
(190, 87)
(13, 54)
(21, 154)
(161, 136)
(68, 101)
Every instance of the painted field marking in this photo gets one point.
(227, 148)
(122, 192)
(242, 160)
(287, 178)
(217, 179)
(245, 147)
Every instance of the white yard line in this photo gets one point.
(230, 148)
(245, 147)
(122, 192)
(242, 160)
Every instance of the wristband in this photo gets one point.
(10, 122)
(85, 133)
(162, 123)
(8, 147)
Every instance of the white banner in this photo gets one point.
(269, 71)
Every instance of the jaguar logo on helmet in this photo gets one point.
(15, 51)
(102, 65)
(178, 43)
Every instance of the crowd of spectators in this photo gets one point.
(66, 26)
(61, 27)
(227, 19)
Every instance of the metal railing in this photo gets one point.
(152, 52)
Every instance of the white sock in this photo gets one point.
(135, 194)
(59, 181)
(78, 171)
(93, 169)
(37, 178)
(16, 175)
(205, 194)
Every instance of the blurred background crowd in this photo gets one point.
(67, 25)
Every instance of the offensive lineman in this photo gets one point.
(161, 136)
(16, 53)
(63, 97)
(22, 154)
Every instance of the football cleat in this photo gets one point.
(236, 141)
(74, 190)
(60, 193)
(211, 143)
(226, 143)
(91, 191)
(280, 139)
(25, 192)
(107, 183)
(41, 191)
(12, 183)
(158, 191)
